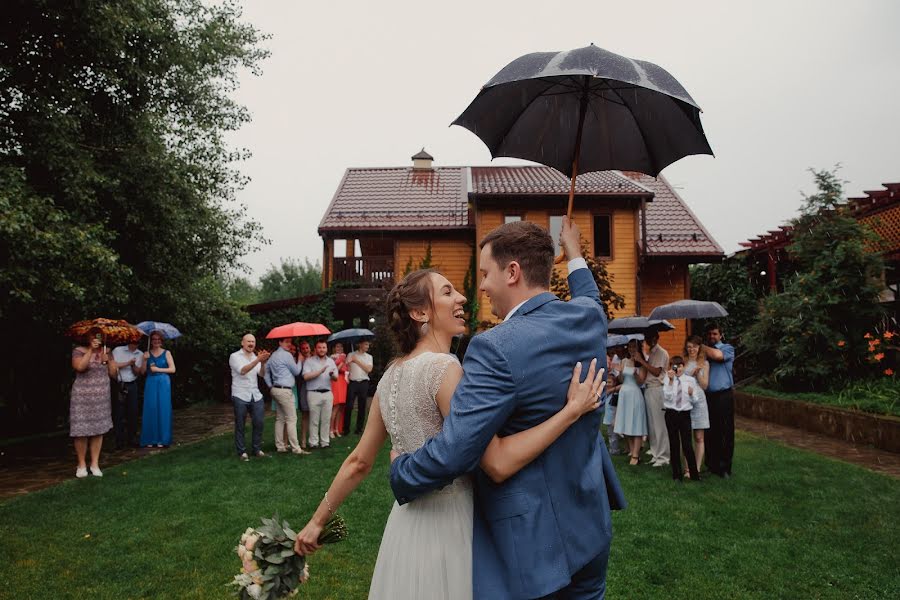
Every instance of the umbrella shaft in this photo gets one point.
(582, 110)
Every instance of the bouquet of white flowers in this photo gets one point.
(271, 570)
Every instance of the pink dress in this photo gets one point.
(90, 411)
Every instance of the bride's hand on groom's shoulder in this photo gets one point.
(307, 541)
(584, 397)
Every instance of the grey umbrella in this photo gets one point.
(351, 336)
(638, 324)
(586, 110)
(689, 309)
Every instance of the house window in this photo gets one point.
(603, 236)
(555, 230)
(511, 218)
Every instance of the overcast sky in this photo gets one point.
(784, 86)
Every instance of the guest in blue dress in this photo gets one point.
(631, 414)
(156, 429)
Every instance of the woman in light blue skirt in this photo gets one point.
(631, 414)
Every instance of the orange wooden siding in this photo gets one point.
(450, 257)
(622, 267)
(661, 284)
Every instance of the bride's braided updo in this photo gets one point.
(412, 293)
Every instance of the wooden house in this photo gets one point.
(383, 221)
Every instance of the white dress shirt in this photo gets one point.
(244, 387)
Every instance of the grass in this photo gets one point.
(878, 396)
(789, 524)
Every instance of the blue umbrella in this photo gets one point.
(613, 340)
(167, 330)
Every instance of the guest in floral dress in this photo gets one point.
(90, 407)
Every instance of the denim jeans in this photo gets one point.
(257, 412)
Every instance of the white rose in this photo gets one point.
(254, 590)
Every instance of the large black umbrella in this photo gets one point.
(638, 324)
(586, 110)
(689, 309)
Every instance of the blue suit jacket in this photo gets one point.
(539, 527)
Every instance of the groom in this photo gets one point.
(546, 531)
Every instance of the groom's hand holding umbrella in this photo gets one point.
(570, 239)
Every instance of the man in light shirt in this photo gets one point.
(361, 363)
(281, 373)
(245, 395)
(656, 366)
(319, 371)
(125, 398)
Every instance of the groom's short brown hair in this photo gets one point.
(527, 244)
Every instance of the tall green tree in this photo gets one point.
(729, 284)
(117, 187)
(812, 334)
(290, 279)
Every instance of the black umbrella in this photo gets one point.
(351, 336)
(689, 309)
(638, 324)
(631, 114)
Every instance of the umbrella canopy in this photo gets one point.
(351, 336)
(114, 331)
(167, 330)
(613, 340)
(297, 329)
(638, 324)
(587, 110)
(689, 309)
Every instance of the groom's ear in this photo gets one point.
(513, 273)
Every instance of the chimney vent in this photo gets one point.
(422, 160)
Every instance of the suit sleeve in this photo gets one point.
(483, 401)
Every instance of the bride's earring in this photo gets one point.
(424, 329)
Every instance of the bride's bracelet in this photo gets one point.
(328, 505)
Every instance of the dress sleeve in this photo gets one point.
(437, 370)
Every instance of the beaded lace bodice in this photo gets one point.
(407, 398)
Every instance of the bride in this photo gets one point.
(426, 549)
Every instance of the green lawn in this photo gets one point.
(789, 524)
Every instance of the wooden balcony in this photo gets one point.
(371, 271)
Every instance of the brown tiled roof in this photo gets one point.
(672, 229)
(547, 181)
(399, 198)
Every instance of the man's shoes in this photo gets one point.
(659, 462)
(96, 472)
(81, 472)
(244, 457)
(326, 447)
(281, 450)
(260, 454)
(726, 475)
(297, 451)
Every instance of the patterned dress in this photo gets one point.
(90, 408)
(700, 410)
(426, 550)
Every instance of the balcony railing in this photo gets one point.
(370, 270)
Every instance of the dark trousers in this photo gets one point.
(257, 412)
(357, 391)
(589, 583)
(678, 425)
(125, 411)
(720, 435)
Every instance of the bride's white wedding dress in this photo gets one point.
(426, 550)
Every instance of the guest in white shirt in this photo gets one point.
(680, 393)
(245, 395)
(361, 364)
(125, 396)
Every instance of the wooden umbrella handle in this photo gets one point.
(582, 109)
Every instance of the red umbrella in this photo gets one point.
(297, 330)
